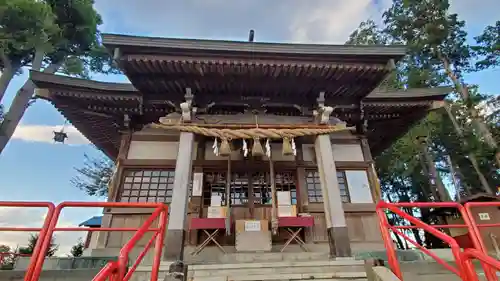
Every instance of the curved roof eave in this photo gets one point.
(112, 41)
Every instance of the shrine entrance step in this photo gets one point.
(212, 255)
(348, 269)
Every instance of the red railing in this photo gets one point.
(416, 223)
(115, 270)
(490, 265)
(463, 259)
(121, 273)
(42, 231)
(477, 238)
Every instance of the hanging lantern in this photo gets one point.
(287, 147)
(225, 148)
(257, 149)
(60, 136)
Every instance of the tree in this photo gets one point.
(488, 47)
(439, 38)
(25, 25)
(403, 169)
(77, 249)
(7, 258)
(93, 178)
(49, 36)
(32, 240)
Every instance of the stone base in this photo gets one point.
(338, 239)
(174, 245)
(253, 241)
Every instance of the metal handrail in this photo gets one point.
(119, 272)
(494, 241)
(476, 233)
(490, 263)
(42, 231)
(391, 252)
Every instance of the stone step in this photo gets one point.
(275, 270)
(287, 276)
(336, 262)
(210, 257)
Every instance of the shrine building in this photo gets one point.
(255, 146)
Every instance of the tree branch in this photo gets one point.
(53, 67)
(6, 61)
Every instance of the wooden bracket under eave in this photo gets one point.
(391, 65)
(116, 57)
(43, 93)
(437, 105)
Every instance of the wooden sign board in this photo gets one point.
(197, 184)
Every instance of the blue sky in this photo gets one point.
(34, 168)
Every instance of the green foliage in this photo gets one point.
(77, 249)
(32, 240)
(433, 36)
(93, 178)
(7, 259)
(52, 32)
(24, 26)
(430, 32)
(488, 47)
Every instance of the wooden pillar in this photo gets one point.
(114, 187)
(177, 222)
(338, 236)
(372, 173)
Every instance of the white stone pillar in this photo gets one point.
(338, 237)
(177, 221)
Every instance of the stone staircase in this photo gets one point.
(340, 269)
(268, 266)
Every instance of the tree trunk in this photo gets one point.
(476, 119)
(435, 179)
(5, 78)
(19, 105)
(471, 156)
(432, 191)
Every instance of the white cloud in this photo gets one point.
(312, 21)
(45, 134)
(34, 217)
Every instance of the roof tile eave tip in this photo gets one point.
(117, 40)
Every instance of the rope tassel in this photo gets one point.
(287, 147)
(257, 149)
(225, 149)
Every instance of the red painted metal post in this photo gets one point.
(455, 248)
(389, 245)
(127, 248)
(42, 231)
(107, 272)
(121, 264)
(490, 262)
(162, 224)
(476, 237)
